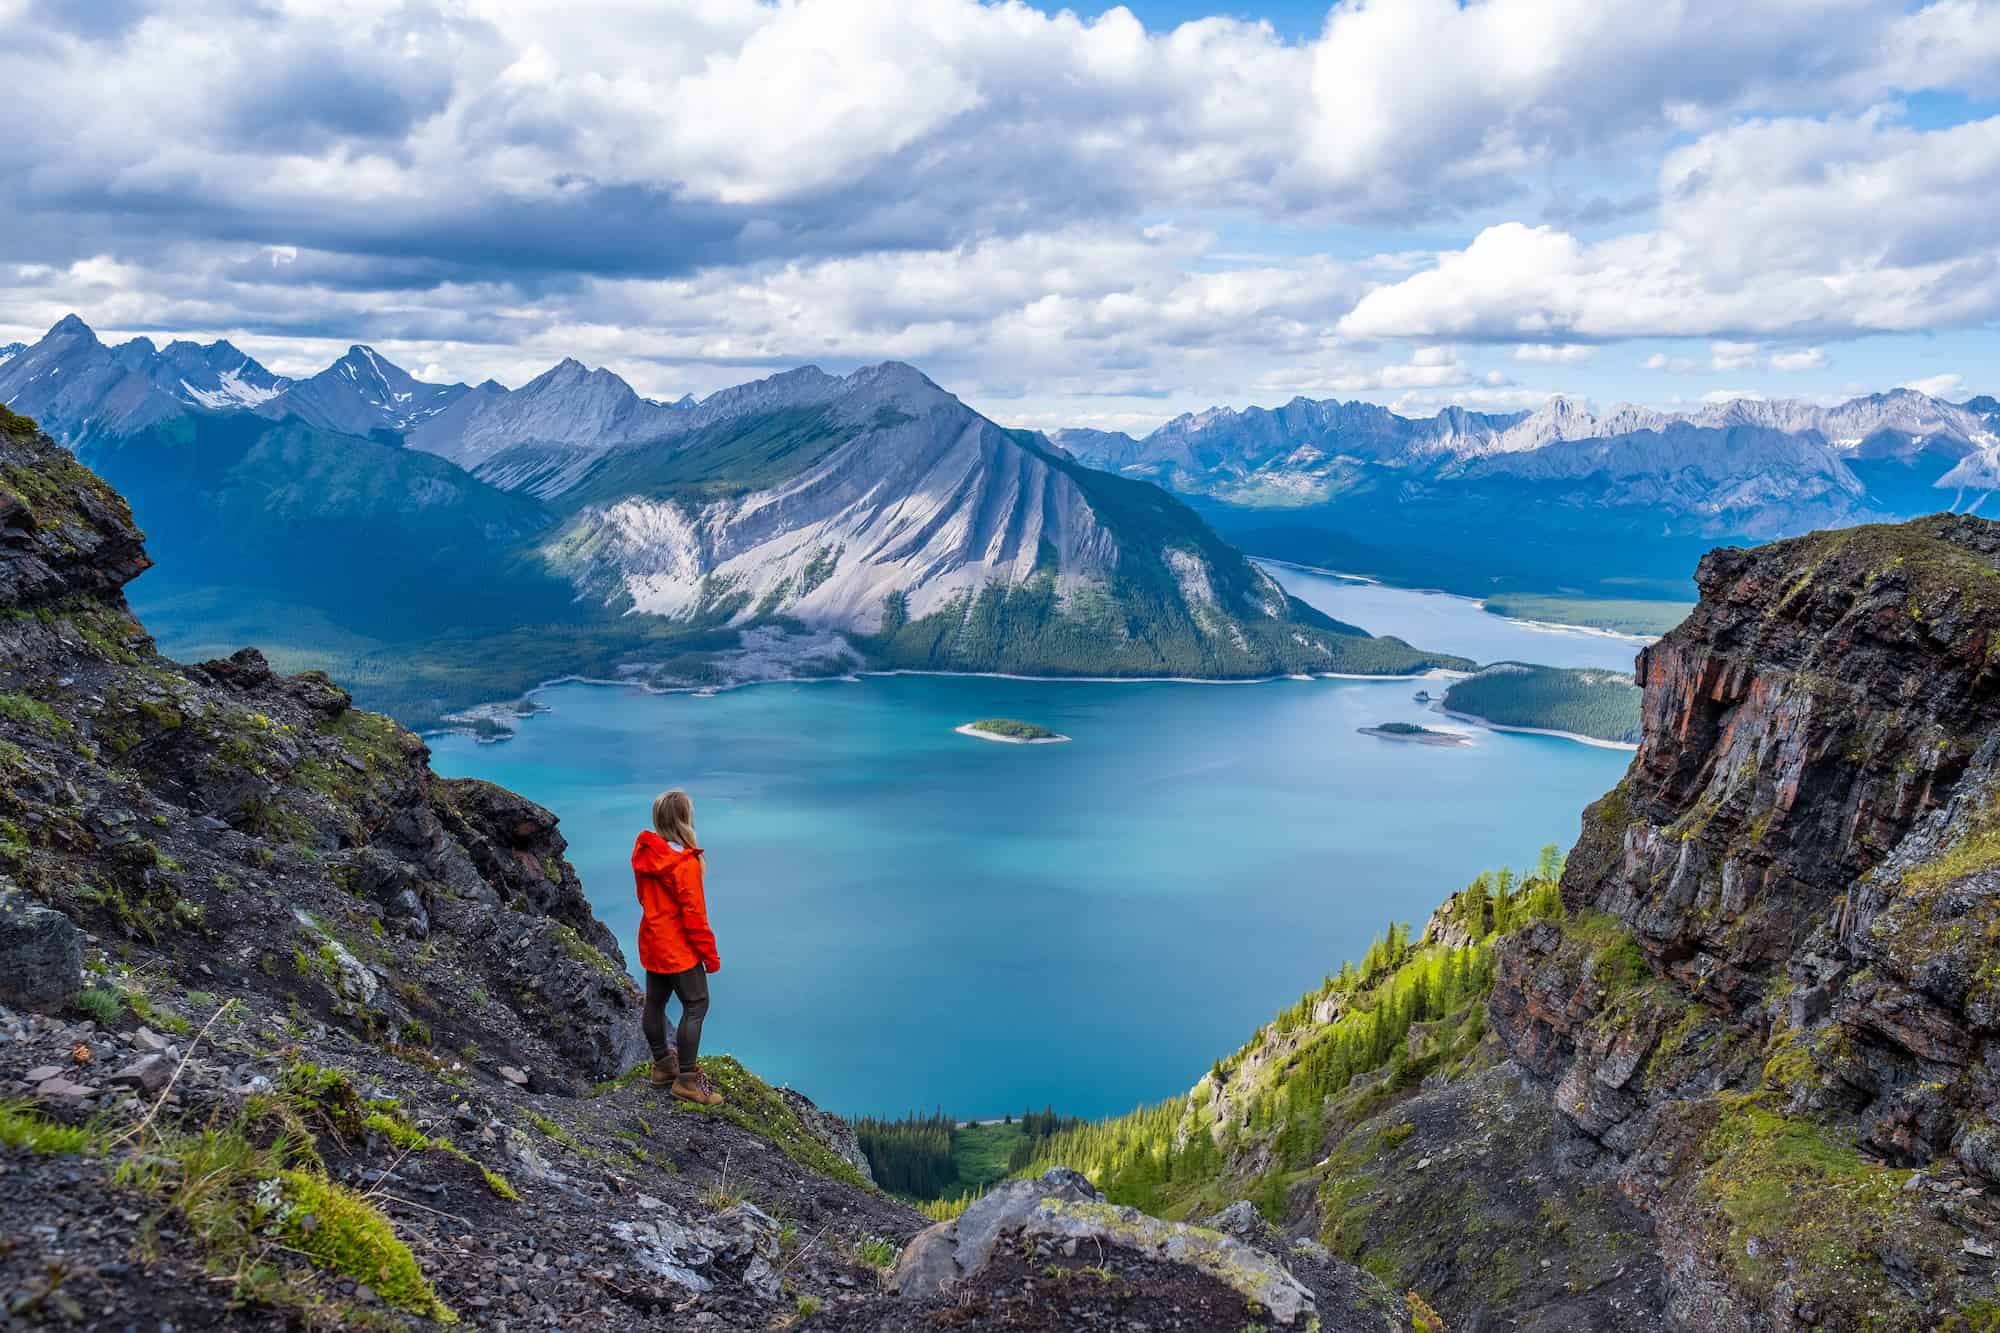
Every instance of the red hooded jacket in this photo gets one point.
(673, 926)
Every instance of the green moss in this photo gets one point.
(1802, 1204)
(752, 1104)
(559, 1134)
(342, 1232)
(23, 1127)
(585, 952)
(153, 1016)
(34, 713)
(1977, 850)
(323, 1095)
(406, 1137)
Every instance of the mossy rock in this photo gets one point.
(347, 1235)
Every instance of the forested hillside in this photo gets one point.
(1255, 1125)
(1599, 704)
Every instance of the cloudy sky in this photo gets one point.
(1091, 217)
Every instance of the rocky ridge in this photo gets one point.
(295, 1033)
(1770, 1005)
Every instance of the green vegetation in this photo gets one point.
(715, 462)
(250, 1200)
(927, 1158)
(1410, 731)
(102, 1003)
(755, 1106)
(34, 713)
(1804, 1206)
(21, 1126)
(1978, 849)
(1407, 1009)
(877, 1252)
(1012, 729)
(1622, 615)
(1600, 704)
(341, 1231)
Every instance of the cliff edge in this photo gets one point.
(1772, 1003)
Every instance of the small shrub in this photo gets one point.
(876, 1252)
(102, 1003)
(22, 1127)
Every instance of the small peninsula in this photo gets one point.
(1010, 731)
(1410, 731)
(1598, 707)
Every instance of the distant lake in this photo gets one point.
(911, 918)
(1446, 622)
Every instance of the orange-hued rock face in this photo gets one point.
(1785, 927)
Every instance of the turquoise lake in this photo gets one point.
(910, 918)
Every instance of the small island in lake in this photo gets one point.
(1009, 730)
(1410, 731)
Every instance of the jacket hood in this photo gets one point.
(652, 854)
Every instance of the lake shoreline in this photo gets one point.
(1576, 736)
(1540, 626)
(498, 712)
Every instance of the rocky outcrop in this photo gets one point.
(1769, 1001)
(1062, 1211)
(42, 949)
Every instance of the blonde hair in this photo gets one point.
(673, 817)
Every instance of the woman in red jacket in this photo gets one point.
(676, 947)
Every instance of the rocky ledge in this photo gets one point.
(1769, 1016)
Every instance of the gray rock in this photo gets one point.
(698, 1256)
(41, 952)
(148, 1073)
(1065, 1207)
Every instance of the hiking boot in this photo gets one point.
(693, 1086)
(667, 1070)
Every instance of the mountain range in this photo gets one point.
(1562, 498)
(1310, 451)
(805, 522)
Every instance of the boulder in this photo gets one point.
(41, 953)
(1063, 1206)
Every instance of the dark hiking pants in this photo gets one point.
(692, 987)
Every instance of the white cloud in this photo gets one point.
(1937, 386)
(1727, 355)
(1554, 353)
(1804, 358)
(698, 190)
(1427, 368)
(1841, 226)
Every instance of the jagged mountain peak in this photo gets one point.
(77, 387)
